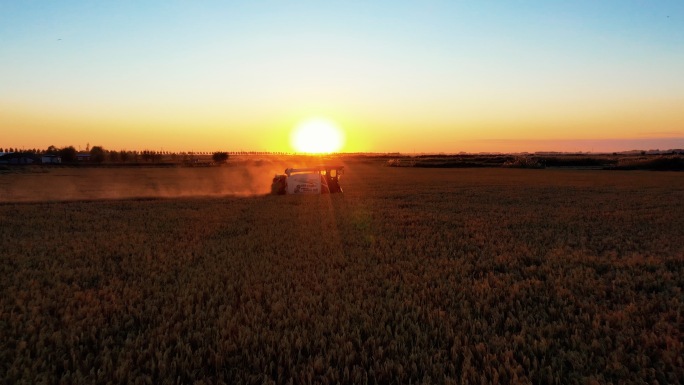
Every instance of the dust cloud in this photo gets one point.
(245, 178)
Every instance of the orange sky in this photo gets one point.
(396, 77)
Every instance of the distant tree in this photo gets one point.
(220, 157)
(97, 154)
(123, 155)
(52, 150)
(68, 154)
(113, 156)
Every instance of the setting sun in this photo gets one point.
(317, 136)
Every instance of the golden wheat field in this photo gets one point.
(433, 276)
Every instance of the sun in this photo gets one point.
(317, 136)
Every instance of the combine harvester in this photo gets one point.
(323, 179)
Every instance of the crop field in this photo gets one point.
(434, 276)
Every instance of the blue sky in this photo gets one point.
(130, 73)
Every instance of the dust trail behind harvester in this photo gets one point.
(241, 178)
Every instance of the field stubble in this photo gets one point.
(411, 275)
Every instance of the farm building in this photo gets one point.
(83, 156)
(51, 159)
(18, 158)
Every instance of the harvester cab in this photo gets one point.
(323, 179)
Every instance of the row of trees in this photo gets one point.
(69, 153)
(97, 154)
(53, 150)
(17, 149)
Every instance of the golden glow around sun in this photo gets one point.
(317, 136)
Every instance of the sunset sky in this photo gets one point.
(418, 76)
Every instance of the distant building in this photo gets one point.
(51, 159)
(83, 157)
(18, 158)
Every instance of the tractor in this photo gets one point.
(323, 179)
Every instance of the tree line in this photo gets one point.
(98, 154)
